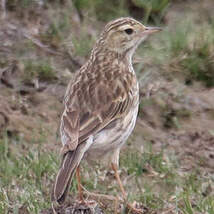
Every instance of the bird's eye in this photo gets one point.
(128, 31)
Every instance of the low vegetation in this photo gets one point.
(188, 50)
(161, 166)
(41, 70)
(153, 178)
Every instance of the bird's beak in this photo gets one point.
(151, 30)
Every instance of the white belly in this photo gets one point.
(114, 137)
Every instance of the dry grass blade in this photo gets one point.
(39, 44)
(3, 8)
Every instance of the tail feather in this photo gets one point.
(64, 177)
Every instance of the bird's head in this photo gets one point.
(123, 35)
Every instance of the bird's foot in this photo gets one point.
(99, 196)
(89, 203)
(134, 209)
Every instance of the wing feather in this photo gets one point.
(86, 112)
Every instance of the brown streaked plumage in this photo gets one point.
(101, 102)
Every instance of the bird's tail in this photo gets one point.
(70, 162)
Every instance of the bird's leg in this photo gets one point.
(114, 165)
(80, 190)
(79, 184)
(117, 176)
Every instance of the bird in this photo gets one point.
(101, 104)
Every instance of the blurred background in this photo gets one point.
(168, 163)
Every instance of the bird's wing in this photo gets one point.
(91, 104)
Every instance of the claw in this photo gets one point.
(134, 209)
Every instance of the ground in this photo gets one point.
(167, 165)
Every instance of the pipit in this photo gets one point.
(101, 103)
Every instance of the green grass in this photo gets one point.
(187, 51)
(35, 69)
(26, 176)
(159, 182)
(83, 44)
(57, 30)
(153, 9)
(27, 173)
(101, 10)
